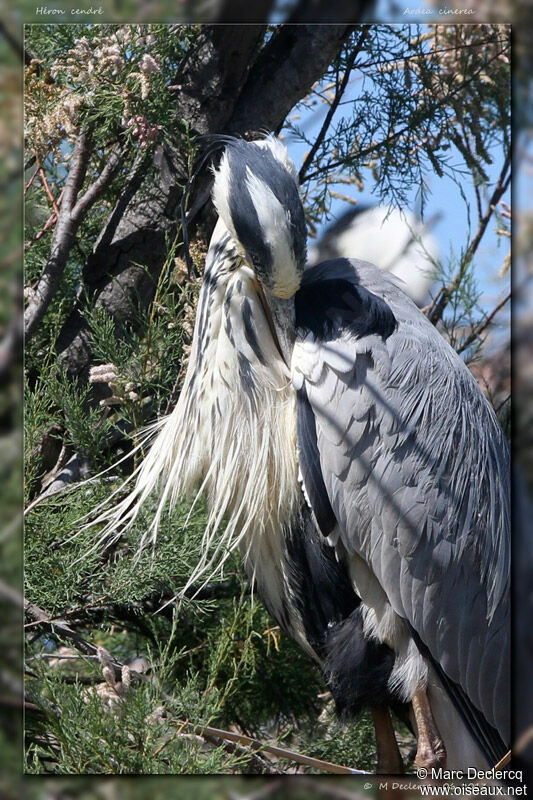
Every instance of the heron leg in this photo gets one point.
(389, 756)
(430, 751)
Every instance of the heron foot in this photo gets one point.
(431, 751)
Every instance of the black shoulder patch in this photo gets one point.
(328, 307)
(310, 468)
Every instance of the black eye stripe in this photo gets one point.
(244, 159)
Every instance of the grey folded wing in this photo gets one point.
(415, 467)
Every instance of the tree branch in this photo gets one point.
(47, 189)
(30, 182)
(286, 68)
(69, 216)
(436, 308)
(281, 752)
(63, 630)
(100, 184)
(339, 91)
(428, 114)
(478, 330)
(62, 240)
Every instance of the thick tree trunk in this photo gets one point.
(226, 83)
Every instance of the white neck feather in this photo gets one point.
(233, 442)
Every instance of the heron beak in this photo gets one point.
(283, 321)
(281, 317)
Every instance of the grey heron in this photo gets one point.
(358, 467)
(393, 239)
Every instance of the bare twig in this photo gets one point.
(65, 632)
(281, 752)
(339, 91)
(261, 764)
(30, 182)
(48, 191)
(478, 330)
(476, 184)
(436, 308)
(398, 63)
(503, 761)
(50, 222)
(375, 147)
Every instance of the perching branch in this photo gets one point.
(436, 308)
(281, 752)
(155, 603)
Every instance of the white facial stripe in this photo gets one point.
(221, 193)
(275, 229)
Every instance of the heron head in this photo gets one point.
(256, 195)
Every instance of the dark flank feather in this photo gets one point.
(309, 460)
(356, 669)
